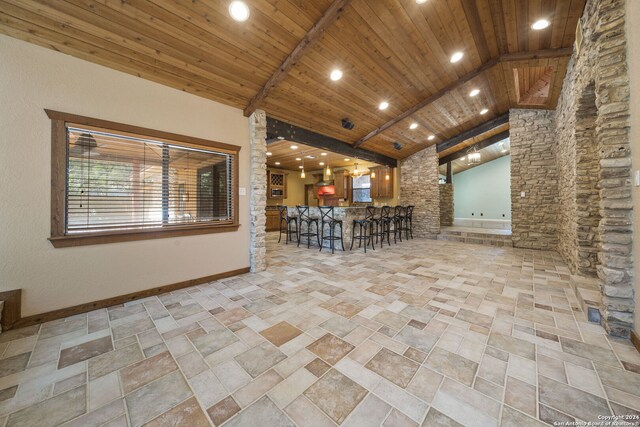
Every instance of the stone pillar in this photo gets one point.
(258, 196)
(419, 187)
(446, 205)
(534, 173)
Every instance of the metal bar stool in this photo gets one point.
(304, 218)
(287, 220)
(326, 217)
(408, 221)
(397, 220)
(384, 222)
(364, 225)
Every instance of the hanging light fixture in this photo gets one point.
(473, 156)
(386, 175)
(373, 174)
(302, 174)
(327, 171)
(356, 172)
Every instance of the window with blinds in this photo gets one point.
(119, 182)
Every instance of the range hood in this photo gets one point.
(326, 190)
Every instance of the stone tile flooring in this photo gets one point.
(425, 332)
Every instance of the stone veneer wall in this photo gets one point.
(419, 187)
(595, 163)
(446, 204)
(533, 171)
(258, 190)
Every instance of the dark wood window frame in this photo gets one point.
(60, 239)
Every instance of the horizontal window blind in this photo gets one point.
(118, 181)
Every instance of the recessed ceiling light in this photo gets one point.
(300, 167)
(383, 105)
(336, 75)
(474, 92)
(277, 163)
(321, 163)
(462, 158)
(431, 137)
(540, 24)
(323, 154)
(298, 158)
(310, 157)
(484, 111)
(421, 1)
(346, 160)
(413, 126)
(456, 57)
(239, 11)
(294, 147)
(269, 153)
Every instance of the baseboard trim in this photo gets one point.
(121, 299)
(635, 340)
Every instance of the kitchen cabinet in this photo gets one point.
(276, 184)
(381, 182)
(272, 220)
(341, 183)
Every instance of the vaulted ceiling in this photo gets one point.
(396, 51)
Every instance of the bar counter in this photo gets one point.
(345, 213)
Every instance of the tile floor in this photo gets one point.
(426, 332)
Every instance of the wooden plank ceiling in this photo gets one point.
(396, 51)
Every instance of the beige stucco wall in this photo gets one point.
(633, 56)
(33, 78)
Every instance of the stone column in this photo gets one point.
(534, 179)
(446, 205)
(258, 196)
(419, 187)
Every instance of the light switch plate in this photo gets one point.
(242, 191)
(523, 194)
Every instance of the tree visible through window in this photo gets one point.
(362, 189)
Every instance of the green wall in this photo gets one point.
(484, 189)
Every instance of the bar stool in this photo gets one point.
(326, 217)
(398, 219)
(288, 220)
(364, 225)
(384, 222)
(408, 220)
(304, 218)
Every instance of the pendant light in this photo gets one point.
(386, 175)
(327, 170)
(373, 174)
(356, 172)
(473, 156)
(302, 174)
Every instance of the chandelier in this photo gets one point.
(473, 156)
(357, 172)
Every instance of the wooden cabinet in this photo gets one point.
(341, 183)
(381, 182)
(272, 220)
(276, 184)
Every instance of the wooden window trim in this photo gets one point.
(59, 239)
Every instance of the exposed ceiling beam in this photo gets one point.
(277, 128)
(478, 145)
(411, 111)
(561, 52)
(472, 133)
(298, 52)
(509, 57)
